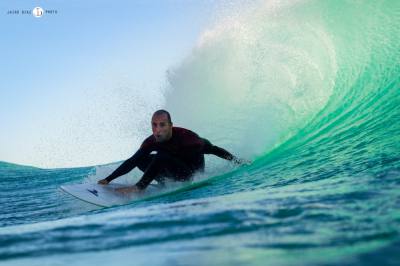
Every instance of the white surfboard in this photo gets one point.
(104, 195)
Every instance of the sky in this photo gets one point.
(78, 86)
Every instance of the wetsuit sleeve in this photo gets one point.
(220, 152)
(127, 166)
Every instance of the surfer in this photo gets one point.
(170, 152)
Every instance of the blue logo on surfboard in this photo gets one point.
(94, 192)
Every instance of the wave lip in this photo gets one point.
(257, 77)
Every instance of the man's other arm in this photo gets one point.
(220, 152)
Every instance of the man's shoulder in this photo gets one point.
(148, 142)
(184, 132)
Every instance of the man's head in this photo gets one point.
(161, 125)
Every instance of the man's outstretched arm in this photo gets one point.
(124, 168)
(222, 153)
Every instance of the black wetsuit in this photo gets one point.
(178, 158)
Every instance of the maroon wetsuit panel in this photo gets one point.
(184, 145)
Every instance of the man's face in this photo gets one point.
(162, 129)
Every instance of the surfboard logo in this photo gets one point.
(94, 192)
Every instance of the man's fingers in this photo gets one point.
(247, 162)
(242, 161)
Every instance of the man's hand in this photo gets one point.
(128, 190)
(103, 182)
(240, 161)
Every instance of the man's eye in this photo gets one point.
(162, 124)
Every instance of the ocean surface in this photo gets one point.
(310, 92)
